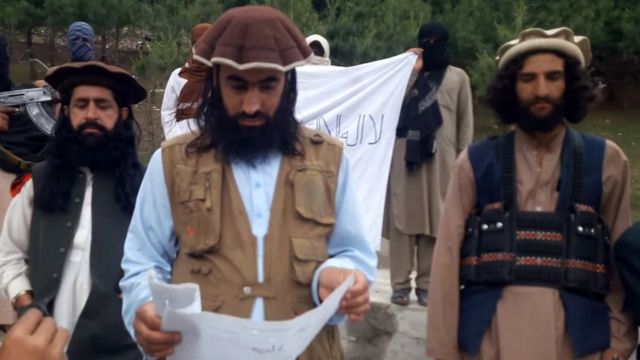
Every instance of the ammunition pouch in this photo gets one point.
(588, 247)
(540, 249)
(567, 249)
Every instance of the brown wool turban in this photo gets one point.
(249, 37)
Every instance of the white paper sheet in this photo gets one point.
(207, 335)
(180, 297)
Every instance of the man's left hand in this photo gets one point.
(355, 302)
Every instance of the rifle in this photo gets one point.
(16, 98)
(32, 100)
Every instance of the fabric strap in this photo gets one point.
(570, 183)
(420, 118)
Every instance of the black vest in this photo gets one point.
(100, 332)
(567, 249)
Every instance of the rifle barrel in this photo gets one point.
(24, 97)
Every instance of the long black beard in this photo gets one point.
(531, 124)
(97, 152)
(251, 145)
(248, 144)
(111, 152)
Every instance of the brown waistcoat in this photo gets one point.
(218, 250)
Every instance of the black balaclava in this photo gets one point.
(433, 38)
(5, 82)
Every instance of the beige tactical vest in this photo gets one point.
(218, 250)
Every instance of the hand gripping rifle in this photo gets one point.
(31, 101)
(23, 144)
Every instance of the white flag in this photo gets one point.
(360, 106)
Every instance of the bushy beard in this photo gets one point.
(252, 144)
(223, 132)
(101, 150)
(249, 144)
(112, 152)
(531, 124)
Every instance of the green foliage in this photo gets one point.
(369, 30)
(300, 11)
(629, 32)
(482, 71)
(170, 23)
(159, 60)
(58, 13)
(358, 30)
(22, 15)
(169, 18)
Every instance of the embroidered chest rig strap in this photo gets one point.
(568, 248)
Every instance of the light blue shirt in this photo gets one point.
(151, 243)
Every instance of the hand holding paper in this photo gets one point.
(355, 302)
(149, 334)
(206, 333)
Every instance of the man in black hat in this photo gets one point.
(435, 125)
(61, 245)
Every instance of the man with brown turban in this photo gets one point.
(183, 93)
(257, 210)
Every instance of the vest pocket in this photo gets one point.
(211, 304)
(197, 221)
(308, 253)
(313, 195)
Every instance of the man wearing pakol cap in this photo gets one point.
(321, 50)
(183, 93)
(257, 210)
(62, 240)
(522, 267)
(435, 125)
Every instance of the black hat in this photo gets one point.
(65, 78)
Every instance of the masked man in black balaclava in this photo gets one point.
(436, 123)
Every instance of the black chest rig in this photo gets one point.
(566, 249)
